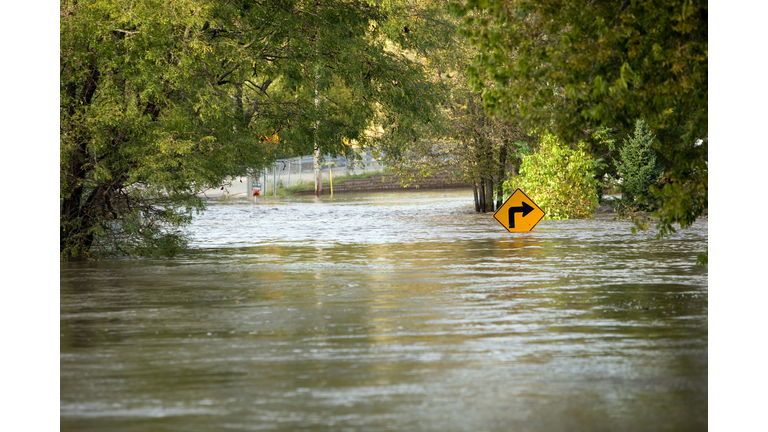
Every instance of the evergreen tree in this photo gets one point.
(637, 168)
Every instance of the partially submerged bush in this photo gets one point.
(559, 179)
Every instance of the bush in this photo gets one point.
(560, 180)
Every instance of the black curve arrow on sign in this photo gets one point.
(524, 209)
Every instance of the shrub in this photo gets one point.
(559, 179)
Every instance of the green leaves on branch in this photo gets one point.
(559, 179)
(570, 67)
(162, 100)
(575, 68)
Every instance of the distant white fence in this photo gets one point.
(288, 172)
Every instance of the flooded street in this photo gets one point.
(389, 312)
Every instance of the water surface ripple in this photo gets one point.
(389, 312)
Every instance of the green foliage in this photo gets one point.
(559, 179)
(685, 196)
(162, 100)
(464, 138)
(134, 236)
(580, 66)
(637, 168)
(576, 68)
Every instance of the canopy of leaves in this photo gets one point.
(161, 100)
(464, 138)
(574, 67)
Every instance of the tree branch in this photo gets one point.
(127, 32)
(220, 79)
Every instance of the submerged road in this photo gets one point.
(389, 312)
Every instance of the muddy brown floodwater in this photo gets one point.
(389, 312)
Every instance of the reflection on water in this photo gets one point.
(389, 312)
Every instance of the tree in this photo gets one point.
(573, 68)
(464, 138)
(477, 148)
(560, 180)
(142, 127)
(637, 168)
(162, 100)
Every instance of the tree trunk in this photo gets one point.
(502, 168)
(318, 167)
(75, 220)
(318, 173)
(489, 194)
(482, 195)
(78, 219)
(74, 223)
(477, 202)
(239, 111)
(71, 226)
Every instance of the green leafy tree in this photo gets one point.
(144, 125)
(637, 168)
(574, 68)
(464, 138)
(559, 179)
(160, 100)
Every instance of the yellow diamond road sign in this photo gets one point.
(519, 213)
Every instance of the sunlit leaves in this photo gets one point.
(560, 180)
(160, 100)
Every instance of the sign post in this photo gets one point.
(519, 213)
